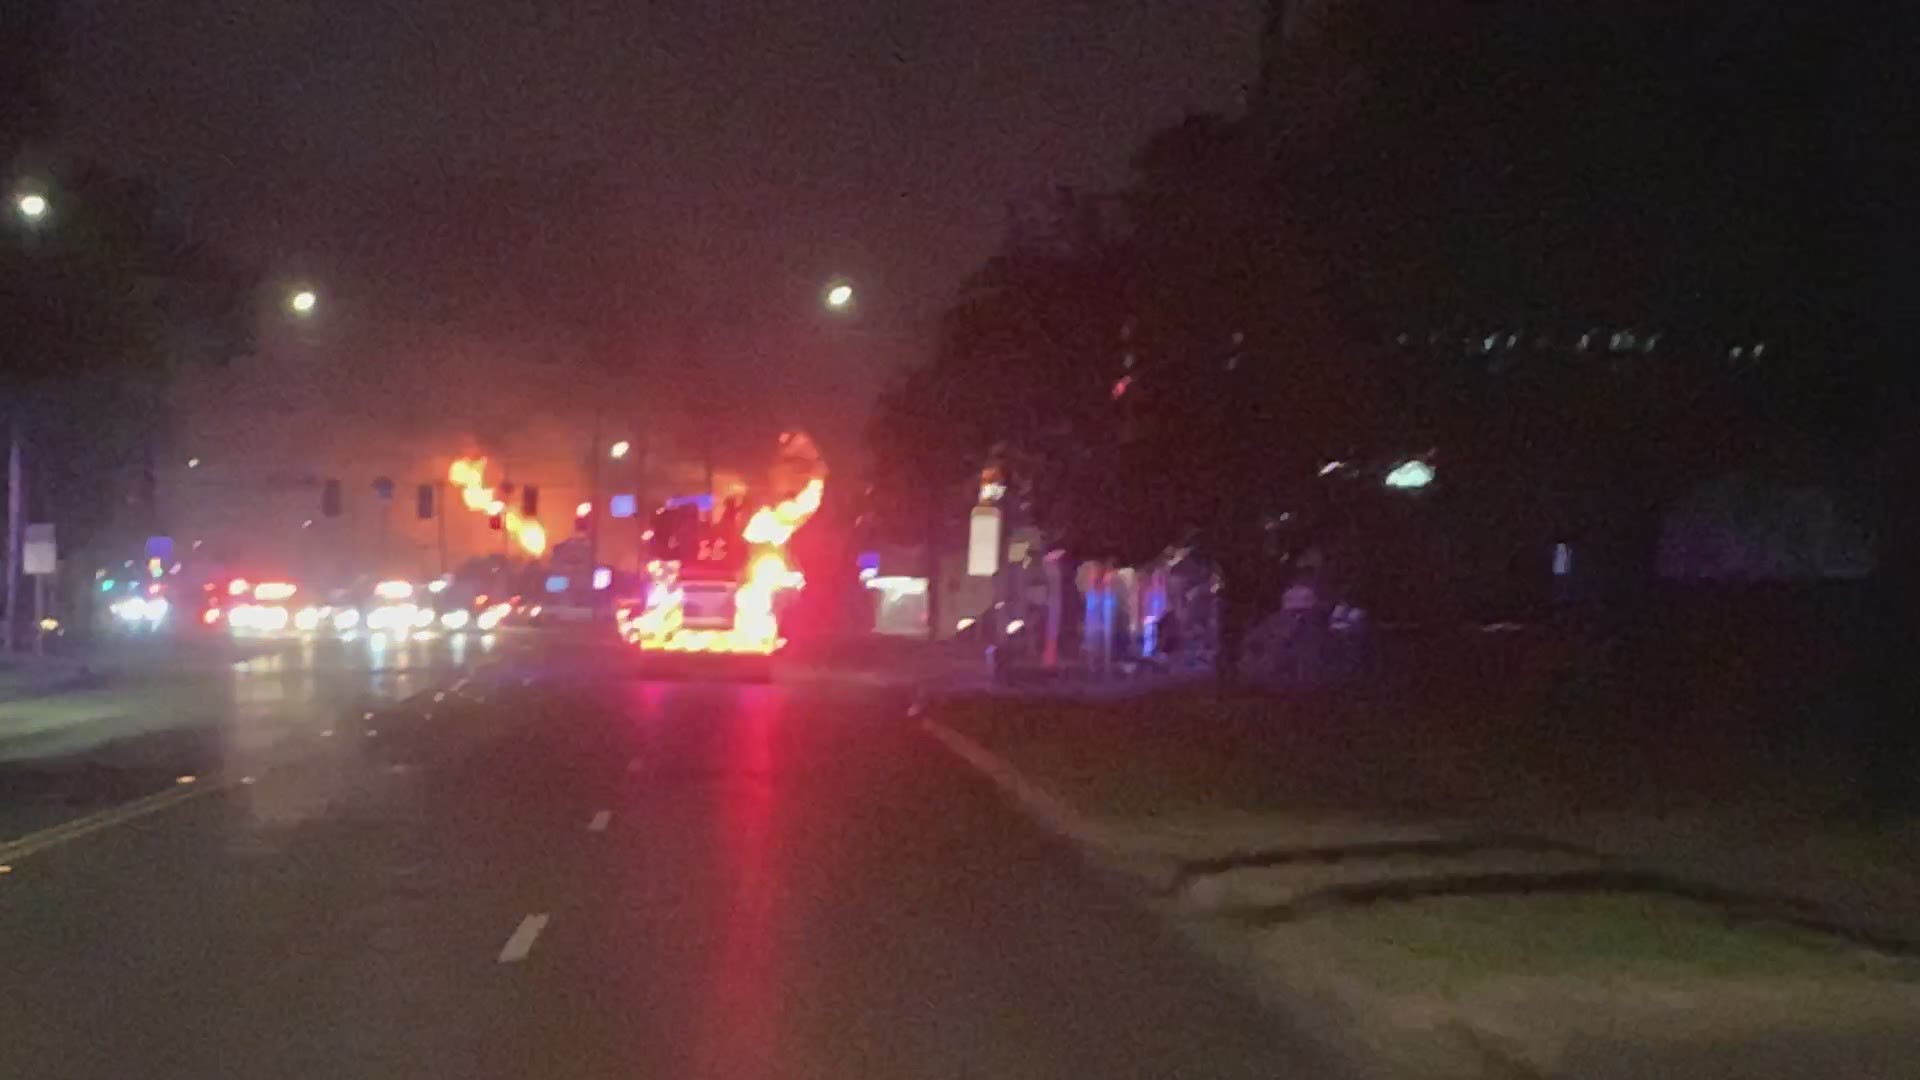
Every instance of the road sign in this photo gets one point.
(38, 555)
(983, 542)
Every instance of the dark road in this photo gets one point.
(564, 870)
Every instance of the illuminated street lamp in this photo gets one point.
(302, 302)
(32, 207)
(1410, 475)
(619, 449)
(840, 296)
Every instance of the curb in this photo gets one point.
(1058, 817)
(1328, 1003)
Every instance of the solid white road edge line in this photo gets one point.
(600, 820)
(1039, 803)
(521, 943)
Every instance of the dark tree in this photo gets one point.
(99, 302)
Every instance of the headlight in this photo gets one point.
(345, 619)
(306, 618)
(140, 609)
(456, 619)
(390, 617)
(257, 617)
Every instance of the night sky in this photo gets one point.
(646, 187)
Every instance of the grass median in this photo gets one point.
(1194, 776)
(1189, 752)
(72, 721)
(1453, 945)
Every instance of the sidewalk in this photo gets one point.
(55, 706)
(79, 716)
(29, 676)
(1455, 894)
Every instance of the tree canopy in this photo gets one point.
(1318, 277)
(101, 299)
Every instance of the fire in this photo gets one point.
(776, 524)
(469, 475)
(659, 624)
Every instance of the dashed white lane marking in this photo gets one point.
(521, 943)
(600, 820)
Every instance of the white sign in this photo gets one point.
(38, 554)
(983, 542)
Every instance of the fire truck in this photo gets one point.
(716, 580)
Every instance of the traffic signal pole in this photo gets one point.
(598, 465)
(16, 523)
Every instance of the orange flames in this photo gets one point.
(469, 475)
(776, 524)
(756, 625)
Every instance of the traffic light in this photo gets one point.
(330, 498)
(530, 501)
(423, 501)
(494, 522)
(583, 517)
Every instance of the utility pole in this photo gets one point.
(597, 465)
(643, 494)
(501, 493)
(16, 523)
(440, 522)
(40, 585)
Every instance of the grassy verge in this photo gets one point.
(1452, 946)
(1180, 754)
(1135, 758)
(67, 722)
(1264, 775)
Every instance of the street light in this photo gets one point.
(619, 449)
(31, 206)
(303, 301)
(1411, 475)
(840, 296)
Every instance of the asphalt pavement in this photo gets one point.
(537, 864)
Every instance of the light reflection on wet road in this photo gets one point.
(784, 882)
